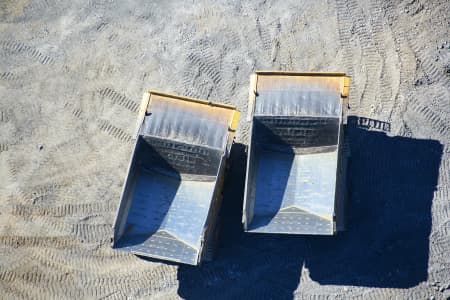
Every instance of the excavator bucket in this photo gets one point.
(295, 181)
(172, 191)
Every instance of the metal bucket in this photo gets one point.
(296, 168)
(172, 191)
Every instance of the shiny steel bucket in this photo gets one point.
(172, 191)
(295, 181)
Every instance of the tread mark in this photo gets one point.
(430, 116)
(3, 147)
(12, 47)
(115, 132)
(119, 99)
(8, 76)
(92, 232)
(5, 115)
(34, 241)
(64, 210)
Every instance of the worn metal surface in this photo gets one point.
(294, 193)
(293, 164)
(167, 216)
(173, 184)
(284, 95)
(187, 121)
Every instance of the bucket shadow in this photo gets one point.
(391, 187)
(168, 182)
(391, 183)
(142, 220)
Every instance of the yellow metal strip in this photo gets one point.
(346, 87)
(296, 73)
(159, 93)
(234, 120)
(142, 111)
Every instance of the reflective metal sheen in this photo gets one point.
(172, 191)
(295, 181)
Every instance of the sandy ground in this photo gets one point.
(71, 78)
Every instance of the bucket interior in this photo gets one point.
(292, 174)
(172, 187)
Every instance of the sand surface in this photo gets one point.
(72, 74)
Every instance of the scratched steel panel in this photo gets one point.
(291, 220)
(180, 158)
(187, 122)
(160, 245)
(293, 155)
(298, 96)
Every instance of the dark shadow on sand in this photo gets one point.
(391, 182)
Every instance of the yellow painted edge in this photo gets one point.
(252, 95)
(234, 120)
(346, 87)
(142, 111)
(297, 73)
(217, 104)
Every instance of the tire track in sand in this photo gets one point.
(69, 209)
(20, 48)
